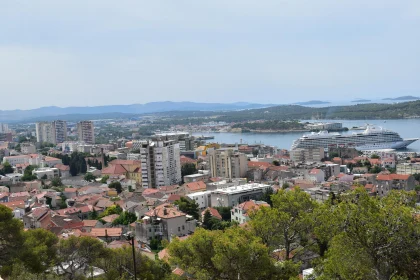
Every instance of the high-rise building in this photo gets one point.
(45, 132)
(4, 128)
(185, 140)
(160, 163)
(51, 132)
(60, 131)
(86, 133)
(228, 163)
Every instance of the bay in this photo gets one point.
(407, 128)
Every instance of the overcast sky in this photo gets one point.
(99, 52)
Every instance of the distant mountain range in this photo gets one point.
(312, 102)
(45, 113)
(403, 98)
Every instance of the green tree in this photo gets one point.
(11, 237)
(207, 223)
(266, 196)
(56, 182)
(233, 254)
(39, 250)
(276, 163)
(224, 212)
(114, 209)
(78, 254)
(104, 179)
(125, 218)
(89, 177)
(73, 169)
(27, 174)
(188, 206)
(188, 169)
(287, 224)
(375, 156)
(118, 264)
(117, 186)
(374, 238)
(7, 168)
(83, 166)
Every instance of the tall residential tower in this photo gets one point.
(85, 130)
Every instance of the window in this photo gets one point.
(183, 227)
(179, 228)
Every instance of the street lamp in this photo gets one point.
(130, 236)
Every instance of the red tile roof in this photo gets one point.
(165, 211)
(110, 218)
(102, 232)
(150, 191)
(213, 212)
(196, 186)
(259, 164)
(89, 223)
(115, 169)
(70, 190)
(173, 197)
(185, 160)
(315, 171)
(14, 204)
(390, 177)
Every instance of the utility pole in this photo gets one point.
(130, 237)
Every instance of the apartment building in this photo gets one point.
(51, 132)
(160, 163)
(307, 154)
(164, 222)
(408, 168)
(27, 148)
(44, 132)
(228, 163)
(85, 131)
(4, 128)
(60, 131)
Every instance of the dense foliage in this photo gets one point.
(272, 125)
(350, 236)
(188, 206)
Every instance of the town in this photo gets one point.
(109, 181)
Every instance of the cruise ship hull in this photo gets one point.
(373, 138)
(387, 145)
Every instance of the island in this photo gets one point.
(312, 102)
(361, 101)
(403, 98)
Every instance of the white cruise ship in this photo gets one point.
(373, 138)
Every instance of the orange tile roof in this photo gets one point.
(110, 218)
(14, 204)
(390, 177)
(70, 190)
(166, 211)
(196, 186)
(213, 212)
(185, 160)
(89, 223)
(102, 232)
(259, 164)
(115, 169)
(251, 205)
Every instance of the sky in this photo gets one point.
(100, 52)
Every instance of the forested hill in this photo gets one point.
(296, 112)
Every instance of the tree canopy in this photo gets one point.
(188, 206)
